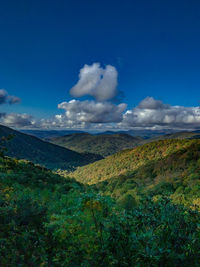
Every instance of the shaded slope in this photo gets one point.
(104, 145)
(24, 146)
(28, 175)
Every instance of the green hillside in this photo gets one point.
(48, 220)
(130, 160)
(177, 135)
(23, 146)
(167, 166)
(104, 145)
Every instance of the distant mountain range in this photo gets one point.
(104, 144)
(24, 146)
(48, 134)
(109, 143)
(69, 149)
(177, 135)
(146, 134)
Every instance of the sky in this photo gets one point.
(100, 64)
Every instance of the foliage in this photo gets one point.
(164, 168)
(161, 156)
(3, 142)
(48, 220)
(152, 218)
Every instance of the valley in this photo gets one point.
(24, 146)
(139, 206)
(104, 144)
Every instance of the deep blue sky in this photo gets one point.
(155, 46)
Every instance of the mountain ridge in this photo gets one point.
(128, 160)
(24, 146)
(103, 145)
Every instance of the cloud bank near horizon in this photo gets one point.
(97, 115)
(151, 113)
(12, 119)
(101, 112)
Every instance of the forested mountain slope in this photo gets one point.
(162, 168)
(100, 144)
(48, 220)
(166, 157)
(23, 146)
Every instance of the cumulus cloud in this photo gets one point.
(91, 111)
(151, 103)
(17, 120)
(101, 113)
(154, 113)
(5, 98)
(97, 82)
(13, 99)
(150, 114)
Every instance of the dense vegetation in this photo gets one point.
(142, 210)
(100, 144)
(129, 161)
(163, 168)
(47, 220)
(23, 146)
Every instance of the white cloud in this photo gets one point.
(17, 120)
(151, 103)
(101, 83)
(97, 82)
(91, 112)
(5, 98)
(150, 114)
(13, 99)
(154, 113)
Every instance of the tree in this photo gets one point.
(3, 141)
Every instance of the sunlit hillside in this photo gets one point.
(171, 154)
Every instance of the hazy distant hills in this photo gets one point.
(67, 151)
(24, 146)
(104, 145)
(110, 142)
(145, 134)
(177, 135)
(46, 134)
